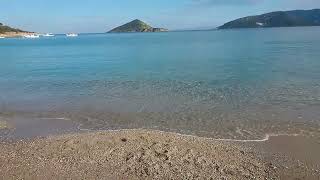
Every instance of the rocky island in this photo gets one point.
(277, 19)
(136, 26)
(7, 31)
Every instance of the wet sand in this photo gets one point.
(297, 156)
(13, 128)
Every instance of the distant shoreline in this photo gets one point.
(18, 35)
(15, 34)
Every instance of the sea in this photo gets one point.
(231, 84)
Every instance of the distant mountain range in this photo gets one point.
(136, 26)
(277, 19)
(6, 29)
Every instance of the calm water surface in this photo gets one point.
(224, 84)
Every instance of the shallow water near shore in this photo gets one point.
(237, 84)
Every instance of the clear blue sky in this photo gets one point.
(60, 16)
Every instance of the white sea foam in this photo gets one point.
(62, 118)
(266, 138)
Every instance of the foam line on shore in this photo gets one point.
(62, 118)
(266, 138)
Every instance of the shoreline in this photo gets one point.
(62, 129)
(266, 138)
(78, 129)
(76, 126)
(15, 34)
(28, 133)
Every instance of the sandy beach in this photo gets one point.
(129, 155)
(140, 154)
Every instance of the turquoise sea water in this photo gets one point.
(228, 83)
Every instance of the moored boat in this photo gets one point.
(31, 36)
(48, 35)
(72, 35)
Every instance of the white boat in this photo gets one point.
(1, 37)
(260, 24)
(72, 35)
(48, 35)
(31, 36)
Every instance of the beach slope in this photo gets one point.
(134, 154)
